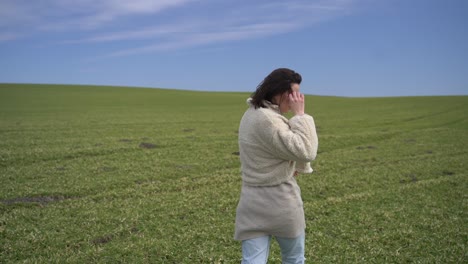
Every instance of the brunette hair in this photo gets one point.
(277, 82)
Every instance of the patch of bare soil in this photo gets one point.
(447, 173)
(102, 240)
(38, 199)
(146, 145)
(109, 237)
(410, 178)
(368, 147)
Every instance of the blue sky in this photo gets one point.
(340, 47)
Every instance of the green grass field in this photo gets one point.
(131, 175)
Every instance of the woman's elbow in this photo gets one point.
(305, 156)
(310, 154)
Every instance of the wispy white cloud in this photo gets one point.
(144, 33)
(301, 6)
(77, 14)
(108, 11)
(203, 38)
(240, 23)
(164, 24)
(8, 36)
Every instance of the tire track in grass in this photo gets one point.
(68, 156)
(446, 176)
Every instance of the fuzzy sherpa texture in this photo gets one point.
(272, 147)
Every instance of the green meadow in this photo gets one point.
(93, 174)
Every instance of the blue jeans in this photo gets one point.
(256, 250)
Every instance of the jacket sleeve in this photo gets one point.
(296, 140)
(303, 167)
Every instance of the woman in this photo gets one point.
(273, 150)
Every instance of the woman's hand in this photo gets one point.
(296, 103)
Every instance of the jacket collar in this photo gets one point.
(267, 104)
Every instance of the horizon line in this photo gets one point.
(223, 91)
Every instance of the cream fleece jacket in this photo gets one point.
(272, 147)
